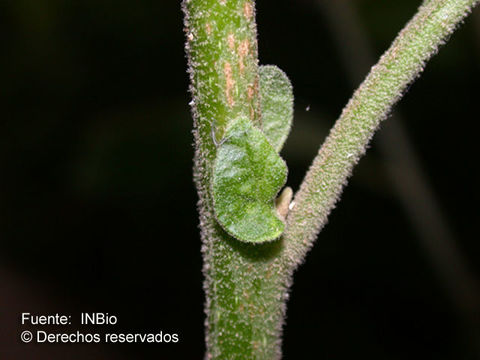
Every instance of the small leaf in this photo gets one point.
(248, 173)
(277, 104)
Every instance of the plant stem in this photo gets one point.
(245, 305)
(370, 104)
(408, 179)
(247, 285)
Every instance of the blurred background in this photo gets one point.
(97, 205)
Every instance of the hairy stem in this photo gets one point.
(243, 285)
(247, 285)
(408, 179)
(370, 104)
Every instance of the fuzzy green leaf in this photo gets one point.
(248, 173)
(276, 103)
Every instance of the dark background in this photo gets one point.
(97, 205)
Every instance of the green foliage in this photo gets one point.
(276, 102)
(248, 173)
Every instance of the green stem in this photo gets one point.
(247, 285)
(245, 305)
(370, 104)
